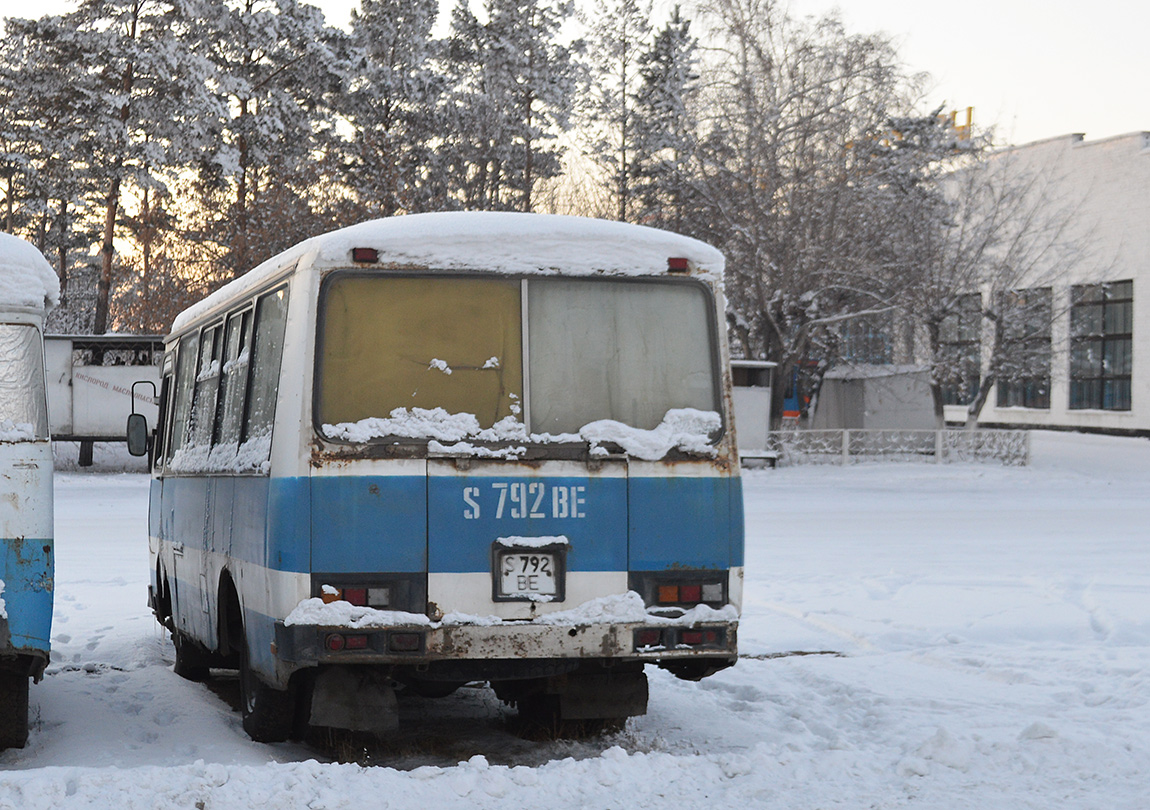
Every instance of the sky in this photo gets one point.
(1032, 69)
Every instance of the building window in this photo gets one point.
(1024, 370)
(1101, 345)
(867, 340)
(959, 350)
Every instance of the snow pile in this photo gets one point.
(417, 423)
(16, 431)
(3, 604)
(315, 611)
(511, 452)
(624, 608)
(26, 278)
(531, 542)
(499, 242)
(685, 429)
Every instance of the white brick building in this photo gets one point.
(1099, 375)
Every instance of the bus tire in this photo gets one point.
(268, 713)
(13, 709)
(191, 661)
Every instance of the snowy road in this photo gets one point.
(982, 639)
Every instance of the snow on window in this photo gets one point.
(685, 429)
(436, 363)
(17, 431)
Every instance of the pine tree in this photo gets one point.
(391, 103)
(145, 103)
(511, 86)
(619, 31)
(278, 72)
(666, 129)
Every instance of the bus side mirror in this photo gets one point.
(137, 434)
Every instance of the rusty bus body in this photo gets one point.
(448, 448)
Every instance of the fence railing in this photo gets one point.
(1010, 447)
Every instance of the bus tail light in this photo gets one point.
(680, 589)
(648, 637)
(379, 598)
(702, 637)
(404, 642)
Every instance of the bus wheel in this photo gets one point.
(268, 713)
(13, 709)
(191, 661)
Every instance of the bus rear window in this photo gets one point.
(23, 403)
(450, 343)
(442, 357)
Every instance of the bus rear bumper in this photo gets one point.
(418, 645)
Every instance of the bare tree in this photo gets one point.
(785, 185)
(982, 291)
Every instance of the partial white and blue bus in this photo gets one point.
(28, 288)
(446, 448)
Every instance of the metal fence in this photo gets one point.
(1009, 447)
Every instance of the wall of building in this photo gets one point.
(1106, 183)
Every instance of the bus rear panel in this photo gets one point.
(378, 473)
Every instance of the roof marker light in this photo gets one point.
(677, 265)
(365, 255)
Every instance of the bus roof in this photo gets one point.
(26, 278)
(498, 242)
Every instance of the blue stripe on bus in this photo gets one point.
(28, 586)
(369, 524)
(467, 514)
(363, 524)
(682, 523)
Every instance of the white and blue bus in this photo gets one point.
(447, 448)
(28, 288)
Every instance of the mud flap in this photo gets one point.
(602, 695)
(354, 698)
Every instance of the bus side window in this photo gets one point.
(186, 353)
(207, 388)
(234, 378)
(162, 420)
(267, 352)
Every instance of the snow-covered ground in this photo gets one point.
(981, 638)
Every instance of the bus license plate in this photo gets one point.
(528, 574)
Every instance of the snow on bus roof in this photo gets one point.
(26, 278)
(501, 242)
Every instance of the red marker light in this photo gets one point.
(690, 593)
(365, 255)
(677, 265)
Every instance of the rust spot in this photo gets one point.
(373, 489)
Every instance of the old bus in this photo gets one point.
(447, 448)
(28, 287)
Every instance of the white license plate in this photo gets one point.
(523, 573)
